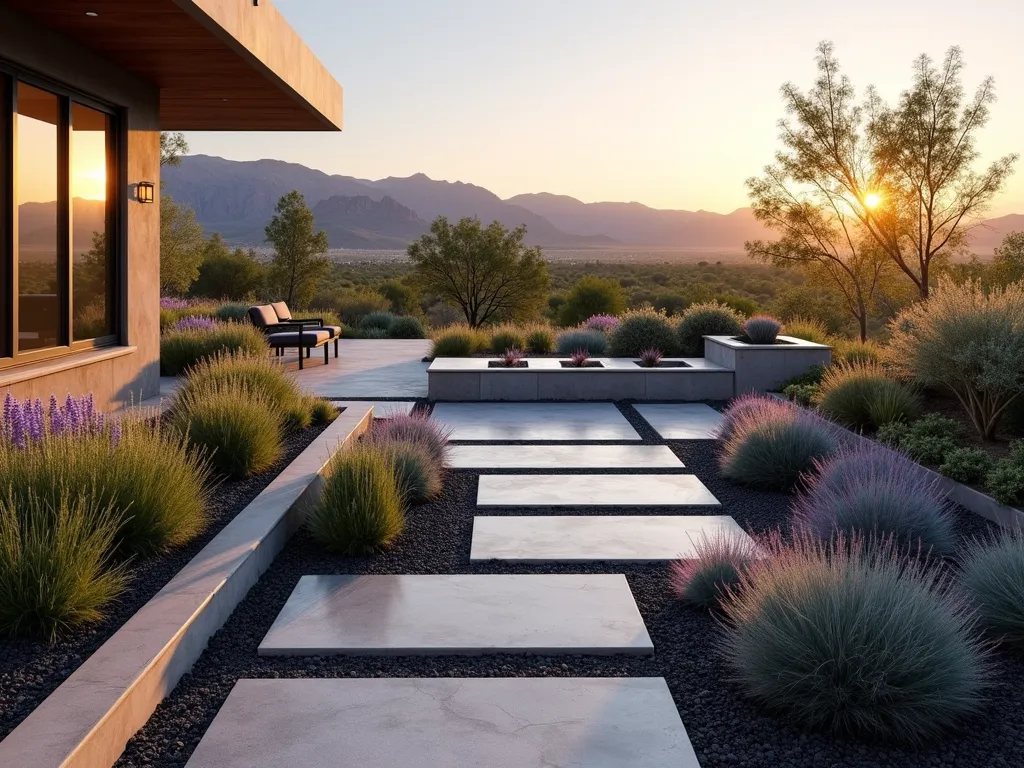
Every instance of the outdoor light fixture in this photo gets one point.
(144, 191)
(91, 14)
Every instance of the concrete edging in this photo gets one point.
(86, 722)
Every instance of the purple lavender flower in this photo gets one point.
(195, 322)
(115, 434)
(170, 302)
(32, 421)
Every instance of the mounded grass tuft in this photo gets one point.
(762, 329)
(702, 581)
(376, 320)
(181, 350)
(506, 337)
(245, 373)
(360, 508)
(751, 406)
(834, 636)
(594, 342)
(808, 330)
(417, 472)
(992, 575)
(639, 330)
(322, 411)
(706, 319)
(459, 341)
(406, 327)
(540, 340)
(862, 396)
(414, 428)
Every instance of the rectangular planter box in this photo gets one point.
(765, 367)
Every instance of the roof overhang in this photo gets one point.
(225, 65)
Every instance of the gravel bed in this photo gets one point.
(725, 729)
(30, 670)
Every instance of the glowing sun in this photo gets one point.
(872, 200)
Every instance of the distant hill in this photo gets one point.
(36, 222)
(359, 221)
(986, 237)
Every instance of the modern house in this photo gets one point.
(86, 87)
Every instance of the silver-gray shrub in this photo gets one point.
(594, 342)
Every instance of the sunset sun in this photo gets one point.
(872, 200)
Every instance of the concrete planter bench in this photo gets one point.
(765, 367)
(469, 379)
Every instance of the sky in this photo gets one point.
(671, 103)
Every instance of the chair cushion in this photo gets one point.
(263, 315)
(334, 329)
(281, 308)
(310, 338)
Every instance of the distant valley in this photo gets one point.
(238, 198)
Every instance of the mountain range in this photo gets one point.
(237, 199)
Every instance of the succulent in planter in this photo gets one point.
(762, 329)
(579, 358)
(649, 358)
(511, 358)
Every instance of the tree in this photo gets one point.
(299, 249)
(489, 273)
(1008, 264)
(405, 300)
(591, 296)
(181, 246)
(902, 177)
(172, 147)
(227, 274)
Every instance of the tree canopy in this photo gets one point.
(227, 274)
(591, 296)
(172, 147)
(181, 246)
(299, 250)
(487, 272)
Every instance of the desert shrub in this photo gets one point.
(803, 394)
(180, 350)
(642, 329)
(774, 451)
(875, 493)
(1006, 480)
(852, 351)
(417, 471)
(967, 465)
(929, 439)
(969, 341)
(238, 428)
(373, 333)
(992, 575)
(857, 394)
(808, 330)
(716, 566)
(506, 337)
(55, 569)
(706, 319)
(382, 320)
(458, 341)
(232, 312)
(590, 296)
(354, 305)
(603, 323)
(540, 340)
(594, 342)
(248, 374)
(813, 375)
(406, 327)
(414, 428)
(762, 329)
(322, 411)
(360, 507)
(857, 641)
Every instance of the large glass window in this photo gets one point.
(58, 220)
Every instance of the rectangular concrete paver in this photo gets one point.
(382, 409)
(460, 614)
(534, 539)
(448, 723)
(592, 490)
(682, 421)
(534, 421)
(563, 457)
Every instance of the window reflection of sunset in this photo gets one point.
(88, 165)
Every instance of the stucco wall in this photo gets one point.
(113, 381)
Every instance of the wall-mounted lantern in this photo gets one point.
(144, 192)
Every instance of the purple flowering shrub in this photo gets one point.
(171, 302)
(195, 322)
(603, 323)
(30, 421)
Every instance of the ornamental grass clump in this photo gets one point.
(239, 428)
(578, 359)
(506, 337)
(594, 342)
(650, 358)
(872, 492)
(540, 340)
(360, 509)
(418, 474)
(715, 567)
(863, 396)
(56, 571)
(750, 407)
(808, 330)
(706, 319)
(322, 411)
(858, 641)
(968, 340)
(642, 329)
(377, 320)
(459, 341)
(773, 452)
(762, 329)
(414, 428)
(992, 575)
(511, 358)
(181, 350)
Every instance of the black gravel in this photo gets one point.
(724, 728)
(30, 670)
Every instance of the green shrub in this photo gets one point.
(238, 428)
(506, 337)
(352, 306)
(180, 350)
(968, 340)
(417, 472)
(855, 641)
(360, 508)
(967, 465)
(232, 312)
(55, 569)
(322, 411)
(458, 341)
(639, 330)
(992, 575)
(706, 319)
(592, 295)
(406, 327)
(1006, 483)
(808, 330)
(715, 567)
(540, 340)
(379, 320)
(372, 333)
(860, 395)
(801, 393)
(812, 375)
(593, 342)
(929, 439)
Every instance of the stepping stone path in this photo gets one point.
(592, 490)
(563, 457)
(382, 409)
(579, 538)
(462, 614)
(682, 421)
(540, 422)
(448, 723)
